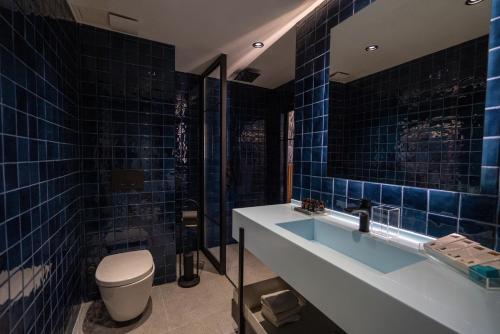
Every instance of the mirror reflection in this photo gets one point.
(407, 94)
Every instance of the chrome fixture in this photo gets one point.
(258, 45)
(472, 2)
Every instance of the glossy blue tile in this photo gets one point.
(477, 207)
(493, 93)
(492, 121)
(491, 152)
(439, 226)
(391, 195)
(327, 199)
(414, 220)
(493, 63)
(372, 192)
(316, 184)
(494, 34)
(339, 202)
(495, 10)
(355, 189)
(444, 202)
(483, 233)
(415, 198)
(490, 180)
(339, 187)
(327, 185)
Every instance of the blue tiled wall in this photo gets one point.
(416, 124)
(186, 142)
(127, 121)
(473, 215)
(40, 225)
(490, 171)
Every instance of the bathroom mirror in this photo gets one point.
(407, 94)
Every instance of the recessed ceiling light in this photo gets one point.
(472, 2)
(258, 45)
(371, 48)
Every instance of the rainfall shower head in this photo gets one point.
(247, 75)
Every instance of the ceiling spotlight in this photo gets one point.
(472, 2)
(371, 48)
(258, 45)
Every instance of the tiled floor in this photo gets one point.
(254, 271)
(205, 308)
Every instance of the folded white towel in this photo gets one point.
(280, 301)
(280, 321)
(277, 317)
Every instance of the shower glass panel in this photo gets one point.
(214, 163)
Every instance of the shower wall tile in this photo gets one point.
(127, 121)
(186, 142)
(41, 242)
(443, 212)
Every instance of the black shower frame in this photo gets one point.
(220, 62)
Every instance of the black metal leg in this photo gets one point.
(241, 254)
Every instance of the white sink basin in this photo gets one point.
(373, 252)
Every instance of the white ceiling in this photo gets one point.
(277, 64)
(404, 30)
(202, 29)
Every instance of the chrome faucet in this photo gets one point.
(364, 212)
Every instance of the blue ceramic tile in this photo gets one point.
(491, 152)
(492, 121)
(494, 63)
(372, 192)
(439, 226)
(494, 34)
(477, 207)
(327, 199)
(489, 180)
(355, 189)
(327, 185)
(339, 202)
(495, 10)
(493, 93)
(391, 195)
(414, 220)
(339, 187)
(415, 198)
(316, 184)
(444, 202)
(482, 233)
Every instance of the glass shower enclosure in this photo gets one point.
(213, 161)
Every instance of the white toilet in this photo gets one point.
(125, 281)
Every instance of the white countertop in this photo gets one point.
(429, 288)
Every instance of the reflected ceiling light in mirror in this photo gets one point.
(258, 45)
(371, 48)
(472, 2)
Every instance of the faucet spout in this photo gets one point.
(364, 212)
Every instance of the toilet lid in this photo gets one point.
(124, 268)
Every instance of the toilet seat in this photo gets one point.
(124, 268)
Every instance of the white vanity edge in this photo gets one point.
(425, 297)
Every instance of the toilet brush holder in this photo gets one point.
(187, 275)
